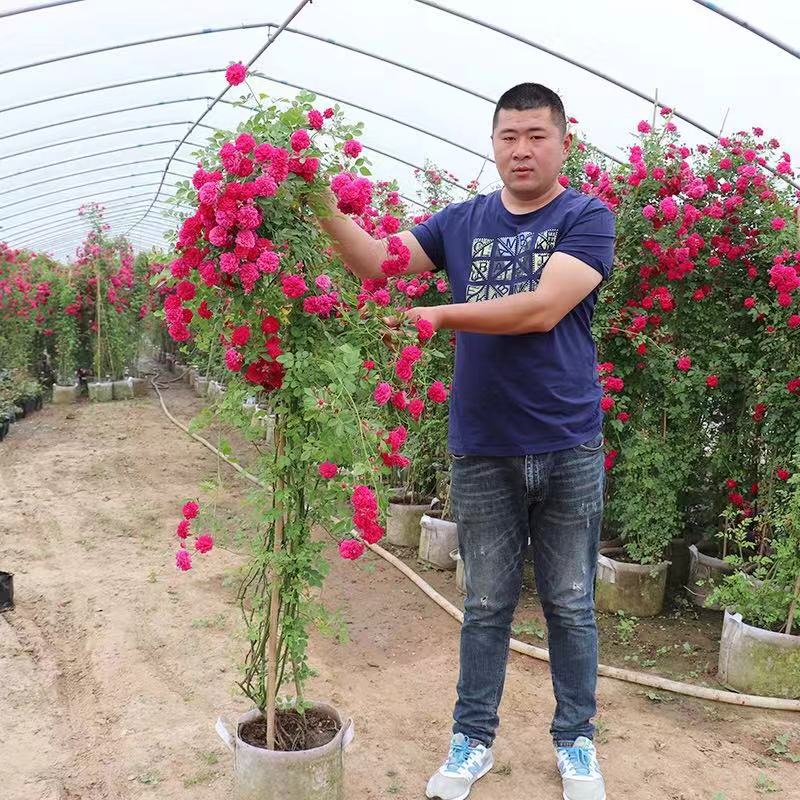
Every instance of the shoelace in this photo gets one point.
(580, 760)
(458, 756)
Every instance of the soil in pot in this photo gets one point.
(315, 773)
(614, 541)
(706, 572)
(293, 731)
(635, 589)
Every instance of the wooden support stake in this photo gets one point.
(272, 644)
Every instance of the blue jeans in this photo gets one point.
(556, 500)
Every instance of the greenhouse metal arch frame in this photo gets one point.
(63, 238)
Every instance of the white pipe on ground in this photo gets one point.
(539, 653)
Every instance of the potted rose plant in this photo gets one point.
(696, 334)
(760, 647)
(256, 287)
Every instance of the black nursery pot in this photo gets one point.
(6, 591)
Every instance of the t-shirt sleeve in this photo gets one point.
(430, 235)
(591, 238)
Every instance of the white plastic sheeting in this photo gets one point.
(698, 62)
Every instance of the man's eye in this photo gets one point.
(508, 138)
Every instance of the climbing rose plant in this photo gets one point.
(86, 314)
(697, 333)
(257, 290)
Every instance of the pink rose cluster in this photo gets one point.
(353, 194)
(202, 543)
(365, 520)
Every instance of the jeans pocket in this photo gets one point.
(457, 457)
(594, 445)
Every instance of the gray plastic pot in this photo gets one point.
(101, 391)
(260, 774)
(123, 390)
(757, 661)
(215, 390)
(461, 581)
(403, 524)
(705, 574)
(201, 386)
(635, 589)
(437, 539)
(266, 421)
(139, 387)
(64, 395)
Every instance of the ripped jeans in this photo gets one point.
(556, 499)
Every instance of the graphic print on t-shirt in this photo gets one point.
(508, 264)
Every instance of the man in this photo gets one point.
(524, 264)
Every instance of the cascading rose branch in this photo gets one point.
(257, 285)
(202, 543)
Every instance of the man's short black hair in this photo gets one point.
(527, 96)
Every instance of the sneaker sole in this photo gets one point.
(466, 794)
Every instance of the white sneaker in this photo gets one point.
(580, 771)
(465, 763)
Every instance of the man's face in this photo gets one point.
(529, 149)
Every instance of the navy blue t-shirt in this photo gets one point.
(535, 392)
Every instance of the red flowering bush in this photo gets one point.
(111, 298)
(700, 359)
(697, 323)
(56, 318)
(256, 288)
(27, 285)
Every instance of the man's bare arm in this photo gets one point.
(363, 254)
(565, 282)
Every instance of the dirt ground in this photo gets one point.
(114, 667)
